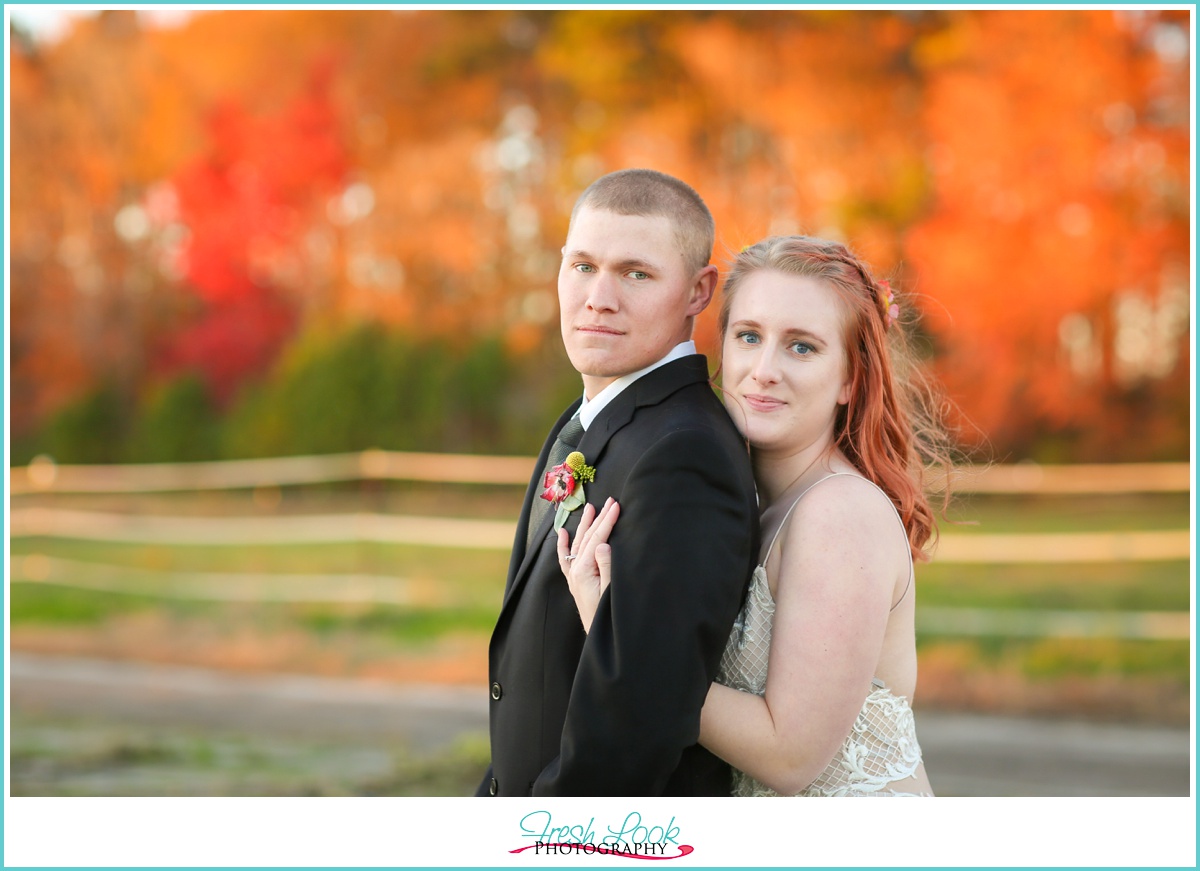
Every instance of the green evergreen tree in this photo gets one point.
(177, 423)
(92, 429)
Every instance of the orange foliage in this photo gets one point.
(209, 189)
(1043, 213)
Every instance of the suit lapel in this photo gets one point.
(518, 562)
(650, 389)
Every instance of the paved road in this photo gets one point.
(967, 754)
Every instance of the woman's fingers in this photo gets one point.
(599, 531)
(603, 554)
(564, 548)
(585, 522)
(605, 523)
(587, 561)
(604, 565)
(584, 533)
(593, 531)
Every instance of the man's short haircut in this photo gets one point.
(649, 193)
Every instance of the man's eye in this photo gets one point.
(584, 267)
(638, 276)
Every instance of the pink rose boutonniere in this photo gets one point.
(564, 486)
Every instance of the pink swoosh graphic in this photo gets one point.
(684, 850)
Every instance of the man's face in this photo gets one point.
(625, 295)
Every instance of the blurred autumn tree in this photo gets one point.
(1054, 250)
(330, 229)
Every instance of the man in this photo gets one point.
(616, 711)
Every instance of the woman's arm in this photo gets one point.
(836, 572)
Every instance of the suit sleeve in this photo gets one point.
(681, 552)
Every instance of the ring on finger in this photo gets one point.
(569, 558)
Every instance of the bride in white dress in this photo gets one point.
(814, 690)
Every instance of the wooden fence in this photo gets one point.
(43, 475)
(44, 520)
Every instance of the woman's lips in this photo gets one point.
(763, 403)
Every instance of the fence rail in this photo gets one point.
(50, 519)
(454, 532)
(45, 476)
(358, 526)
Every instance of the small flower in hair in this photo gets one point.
(891, 311)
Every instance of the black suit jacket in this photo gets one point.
(617, 711)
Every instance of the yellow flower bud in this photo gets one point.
(574, 461)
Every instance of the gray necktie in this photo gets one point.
(568, 438)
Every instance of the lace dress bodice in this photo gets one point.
(880, 753)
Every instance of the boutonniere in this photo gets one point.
(564, 486)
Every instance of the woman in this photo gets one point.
(812, 697)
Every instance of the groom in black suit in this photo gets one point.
(616, 711)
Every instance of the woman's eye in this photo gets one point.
(801, 348)
(748, 337)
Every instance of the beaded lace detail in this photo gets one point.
(881, 749)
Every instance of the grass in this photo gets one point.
(64, 756)
(1144, 586)
(1052, 657)
(470, 570)
(53, 605)
(1000, 513)
(400, 624)
(49, 605)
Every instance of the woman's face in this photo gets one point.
(784, 361)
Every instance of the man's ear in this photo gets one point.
(704, 285)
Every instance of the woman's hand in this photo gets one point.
(587, 563)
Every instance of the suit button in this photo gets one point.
(497, 692)
(493, 787)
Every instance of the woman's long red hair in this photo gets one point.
(892, 428)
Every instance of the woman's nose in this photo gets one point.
(766, 368)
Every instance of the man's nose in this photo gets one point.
(603, 294)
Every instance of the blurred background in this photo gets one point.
(284, 344)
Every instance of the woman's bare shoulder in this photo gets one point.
(847, 501)
(844, 519)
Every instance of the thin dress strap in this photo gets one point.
(792, 507)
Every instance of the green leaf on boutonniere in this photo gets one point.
(575, 500)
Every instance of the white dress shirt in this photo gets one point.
(591, 408)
